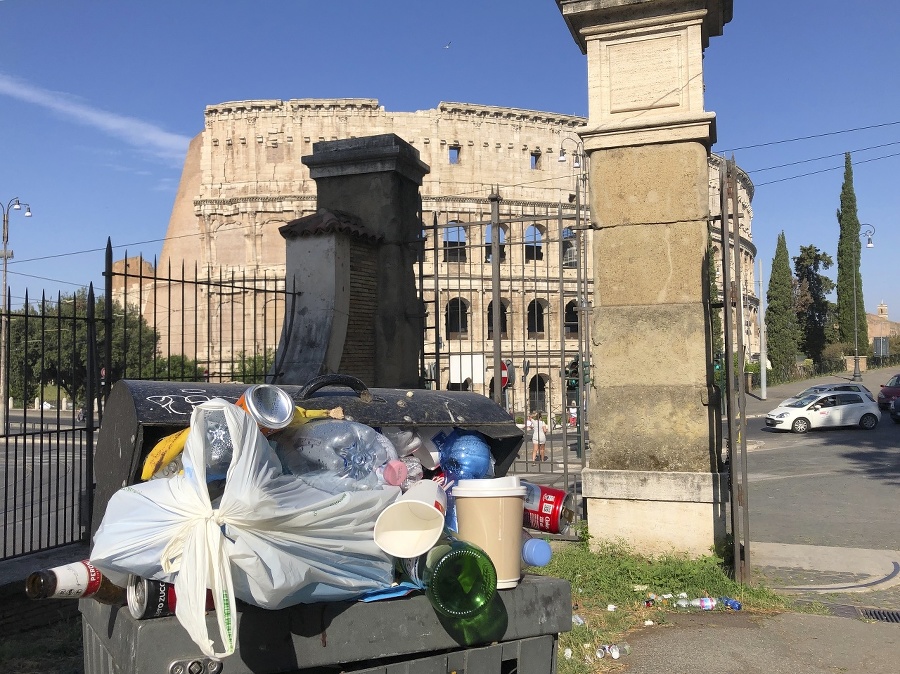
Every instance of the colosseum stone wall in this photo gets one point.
(243, 179)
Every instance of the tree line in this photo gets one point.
(800, 318)
(57, 344)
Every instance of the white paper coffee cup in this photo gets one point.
(489, 514)
(411, 525)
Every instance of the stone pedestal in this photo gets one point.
(356, 262)
(651, 478)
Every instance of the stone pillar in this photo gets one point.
(652, 477)
(370, 186)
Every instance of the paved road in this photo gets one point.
(823, 506)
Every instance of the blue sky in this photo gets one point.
(99, 98)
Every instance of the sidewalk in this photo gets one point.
(855, 585)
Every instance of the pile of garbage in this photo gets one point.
(274, 505)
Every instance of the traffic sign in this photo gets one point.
(504, 375)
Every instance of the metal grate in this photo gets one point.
(881, 615)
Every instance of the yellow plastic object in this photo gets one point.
(164, 452)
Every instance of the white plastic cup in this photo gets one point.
(411, 525)
(489, 514)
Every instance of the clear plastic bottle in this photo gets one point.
(705, 603)
(414, 472)
(459, 578)
(78, 580)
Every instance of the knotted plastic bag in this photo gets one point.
(270, 540)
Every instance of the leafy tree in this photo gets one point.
(848, 251)
(812, 312)
(781, 319)
(49, 343)
(253, 368)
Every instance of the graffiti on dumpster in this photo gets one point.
(184, 401)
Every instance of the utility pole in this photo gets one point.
(494, 198)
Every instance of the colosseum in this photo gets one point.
(243, 179)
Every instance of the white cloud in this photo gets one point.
(135, 132)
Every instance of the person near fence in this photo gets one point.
(538, 437)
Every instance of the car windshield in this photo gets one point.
(804, 401)
(894, 381)
(808, 392)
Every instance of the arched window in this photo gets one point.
(457, 319)
(571, 320)
(488, 233)
(490, 320)
(537, 393)
(454, 243)
(570, 251)
(534, 244)
(536, 311)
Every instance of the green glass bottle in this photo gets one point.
(459, 578)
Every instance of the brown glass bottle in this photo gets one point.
(78, 580)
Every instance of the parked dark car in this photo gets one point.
(889, 392)
(895, 410)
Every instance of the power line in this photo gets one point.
(818, 135)
(827, 156)
(825, 170)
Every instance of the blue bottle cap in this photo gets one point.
(536, 552)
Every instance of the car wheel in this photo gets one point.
(868, 421)
(800, 425)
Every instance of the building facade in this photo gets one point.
(243, 179)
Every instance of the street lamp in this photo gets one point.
(866, 232)
(14, 205)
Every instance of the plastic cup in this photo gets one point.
(411, 525)
(489, 514)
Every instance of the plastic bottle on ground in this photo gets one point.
(733, 604)
(705, 603)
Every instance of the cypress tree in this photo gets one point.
(781, 319)
(848, 251)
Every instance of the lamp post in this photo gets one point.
(14, 205)
(866, 232)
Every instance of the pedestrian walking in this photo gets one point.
(538, 437)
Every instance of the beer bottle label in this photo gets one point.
(79, 579)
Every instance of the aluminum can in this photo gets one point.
(548, 509)
(154, 598)
(270, 407)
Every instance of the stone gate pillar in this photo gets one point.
(652, 476)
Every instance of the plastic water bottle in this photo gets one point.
(705, 603)
(459, 578)
(414, 472)
(535, 551)
(733, 604)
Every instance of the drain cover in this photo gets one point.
(880, 615)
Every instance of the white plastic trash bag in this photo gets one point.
(271, 540)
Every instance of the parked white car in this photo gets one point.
(825, 410)
(825, 388)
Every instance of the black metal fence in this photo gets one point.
(62, 354)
